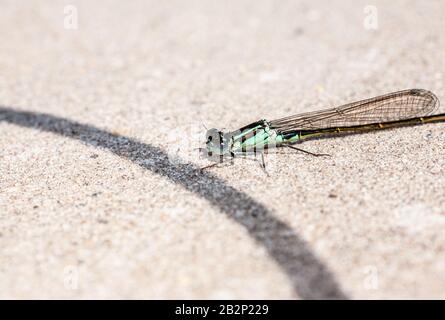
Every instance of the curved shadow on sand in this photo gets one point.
(309, 277)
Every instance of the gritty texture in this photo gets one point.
(101, 195)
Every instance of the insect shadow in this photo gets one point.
(310, 278)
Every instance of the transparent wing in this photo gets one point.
(389, 107)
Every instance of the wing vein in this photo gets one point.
(389, 107)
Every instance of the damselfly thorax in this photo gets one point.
(402, 108)
(255, 136)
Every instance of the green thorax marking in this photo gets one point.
(258, 136)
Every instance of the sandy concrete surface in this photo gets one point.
(101, 196)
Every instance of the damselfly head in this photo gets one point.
(213, 136)
(215, 143)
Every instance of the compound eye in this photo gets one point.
(212, 135)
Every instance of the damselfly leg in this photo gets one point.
(260, 161)
(307, 152)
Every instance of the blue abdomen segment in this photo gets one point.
(289, 138)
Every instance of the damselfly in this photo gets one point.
(402, 108)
